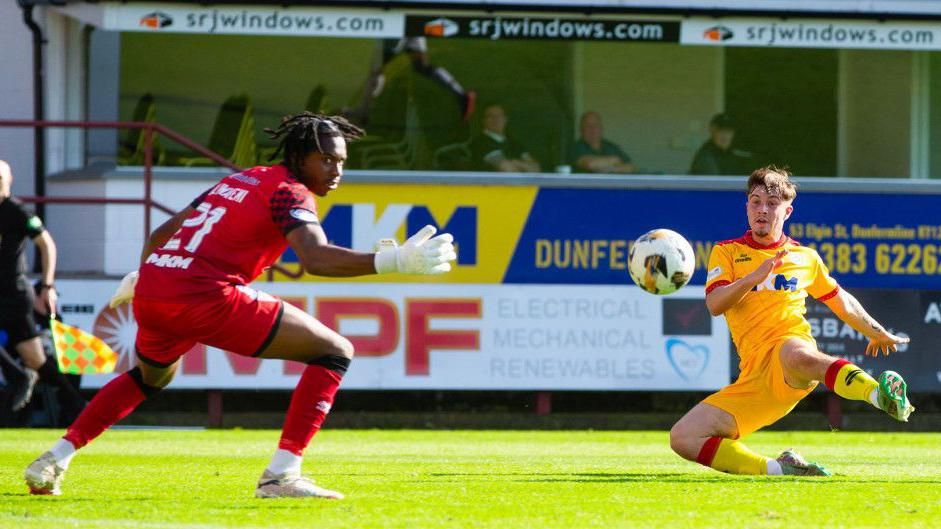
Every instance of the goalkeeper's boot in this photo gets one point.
(792, 464)
(291, 485)
(44, 476)
(22, 389)
(893, 396)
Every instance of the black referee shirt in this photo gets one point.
(16, 225)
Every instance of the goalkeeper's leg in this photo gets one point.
(302, 338)
(113, 402)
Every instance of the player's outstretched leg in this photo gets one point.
(889, 393)
(302, 338)
(112, 403)
(706, 435)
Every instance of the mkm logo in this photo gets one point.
(357, 226)
(778, 282)
(156, 20)
(718, 33)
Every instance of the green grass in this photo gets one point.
(486, 479)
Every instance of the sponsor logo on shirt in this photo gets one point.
(169, 261)
(245, 179)
(744, 258)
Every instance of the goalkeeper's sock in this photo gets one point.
(311, 402)
(112, 403)
(284, 462)
(63, 452)
(850, 382)
(729, 455)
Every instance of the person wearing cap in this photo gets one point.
(717, 156)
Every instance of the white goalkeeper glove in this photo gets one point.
(421, 254)
(125, 292)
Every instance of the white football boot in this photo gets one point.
(44, 476)
(291, 485)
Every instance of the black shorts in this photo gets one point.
(16, 315)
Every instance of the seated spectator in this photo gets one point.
(594, 154)
(717, 156)
(494, 150)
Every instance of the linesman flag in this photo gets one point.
(79, 352)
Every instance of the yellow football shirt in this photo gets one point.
(774, 309)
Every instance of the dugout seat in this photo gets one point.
(317, 100)
(131, 150)
(233, 135)
(400, 154)
(453, 157)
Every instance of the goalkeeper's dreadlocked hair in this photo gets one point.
(300, 135)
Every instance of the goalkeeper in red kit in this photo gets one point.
(192, 287)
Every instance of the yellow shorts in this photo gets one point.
(760, 396)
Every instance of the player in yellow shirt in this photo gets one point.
(759, 282)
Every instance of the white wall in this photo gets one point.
(16, 95)
(654, 99)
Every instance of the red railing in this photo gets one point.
(149, 129)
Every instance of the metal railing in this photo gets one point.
(148, 130)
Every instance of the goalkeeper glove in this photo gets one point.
(125, 292)
(421, 254)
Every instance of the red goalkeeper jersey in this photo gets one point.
(237, 230)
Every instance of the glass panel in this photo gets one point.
(819, 112)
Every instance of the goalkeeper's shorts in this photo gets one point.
(236, 319)
(760, 396)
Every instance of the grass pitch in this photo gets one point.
(485, 479)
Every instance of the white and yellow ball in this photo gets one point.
(661, 261)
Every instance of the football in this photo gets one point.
(661, 261)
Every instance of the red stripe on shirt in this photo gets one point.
(830, 295)
(717, 284)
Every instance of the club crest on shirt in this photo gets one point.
(304, 215)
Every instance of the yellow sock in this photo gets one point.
(729, 455)
(849, 381)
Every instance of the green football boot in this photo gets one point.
(893, 396)
(792, 464)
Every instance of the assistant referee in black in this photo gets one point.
(18, 331)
